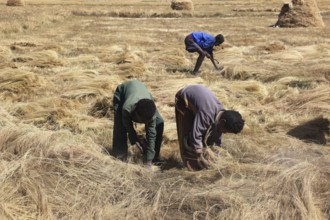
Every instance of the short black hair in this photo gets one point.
(234, 121)
(145, 108)
(219, 38)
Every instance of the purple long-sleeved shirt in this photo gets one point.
(205, 105)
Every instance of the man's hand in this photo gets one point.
(215, 150)
(140, 147)
(199, 151)
(222, 70)
(219, 68)
(202, 160)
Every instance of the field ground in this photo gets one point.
(60, 62)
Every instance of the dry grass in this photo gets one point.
(59, 67)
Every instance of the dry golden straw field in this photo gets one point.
(61, 60)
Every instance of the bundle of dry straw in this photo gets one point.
(15, 3)
(300, 14)
(182, 5)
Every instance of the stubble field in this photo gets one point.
(60, 62)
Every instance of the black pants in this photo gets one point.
(189, 42)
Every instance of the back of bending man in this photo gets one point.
(133, 103)
(203, 44)
(201, 120)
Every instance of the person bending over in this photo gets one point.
(203, 44)
(201, 120)
(133, 103)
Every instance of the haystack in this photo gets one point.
(182, 5)
(300, 13)
(15, 3)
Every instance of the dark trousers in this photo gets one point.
(189, 42)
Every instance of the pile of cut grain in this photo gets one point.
(182, 5)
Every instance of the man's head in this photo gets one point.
(219, 39)
(145, 109)
(231, 122)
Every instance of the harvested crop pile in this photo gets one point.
(182, 5)
(300, 13)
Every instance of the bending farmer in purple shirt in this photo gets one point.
(203, 44)
(132, 102)
(201, 120)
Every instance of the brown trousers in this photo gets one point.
(184, 122)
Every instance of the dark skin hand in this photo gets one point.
(213, 62)
(140, 119)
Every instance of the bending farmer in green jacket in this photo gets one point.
(133, 103)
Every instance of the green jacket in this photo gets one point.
(130, 93)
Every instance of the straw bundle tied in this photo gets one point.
(182, 5)
(90, 89)
(21, 85)
(316, 100)
(15, 3)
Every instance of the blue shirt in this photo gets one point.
(204, 40)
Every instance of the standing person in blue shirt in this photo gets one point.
(203, 44)
(201, 120)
